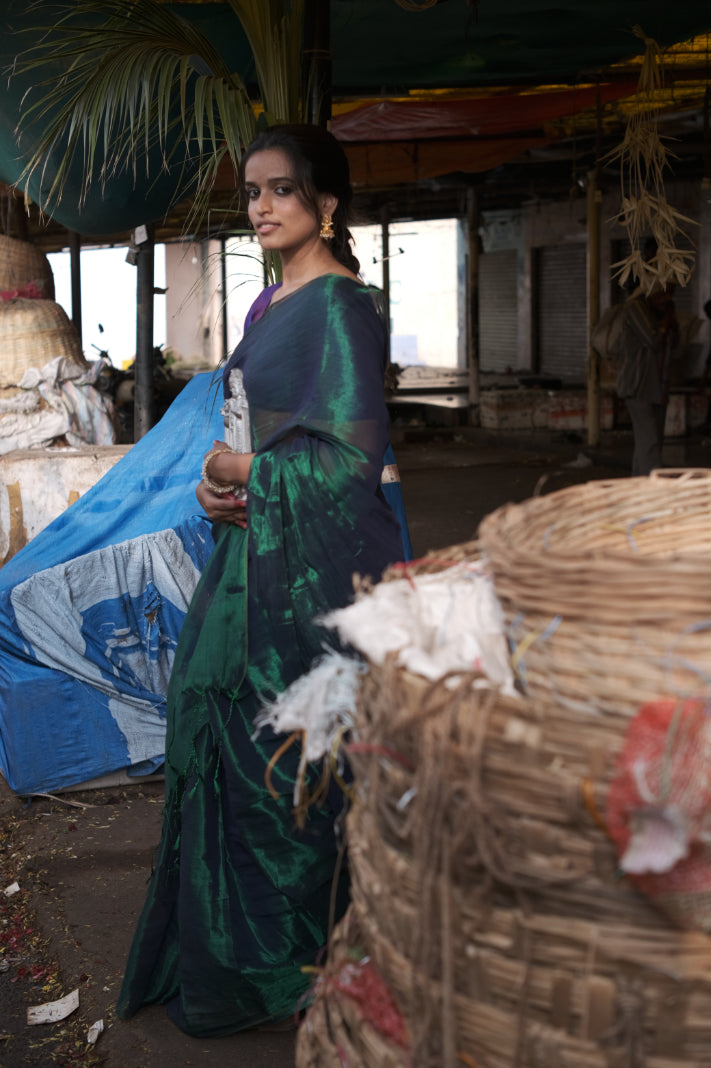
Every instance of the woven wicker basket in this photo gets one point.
(488, 893)
(21, 263)
(337, 1030)
(606, 590)
(33, 332)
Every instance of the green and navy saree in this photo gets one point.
(239, 899)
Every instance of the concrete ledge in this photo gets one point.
(37, 485)
(541, 409)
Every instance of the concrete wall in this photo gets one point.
(540, 224)
(193, 302)
(37, 485)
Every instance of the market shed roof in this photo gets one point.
(448, 93)
(379, 47)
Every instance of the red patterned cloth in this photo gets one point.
(30, 291)
(659, 808)
(361, 981)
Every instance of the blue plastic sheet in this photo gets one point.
(91, 609)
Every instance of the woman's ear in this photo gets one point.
(328, 203)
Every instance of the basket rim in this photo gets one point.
(498, 531)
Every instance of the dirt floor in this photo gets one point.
(82, 860)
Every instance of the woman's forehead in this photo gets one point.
(267, 163)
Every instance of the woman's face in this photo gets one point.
(279, 218)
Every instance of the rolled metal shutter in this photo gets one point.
(498, 311)
(561, 302)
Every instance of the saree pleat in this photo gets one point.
(239, 900)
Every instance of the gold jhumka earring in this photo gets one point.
(327, 232)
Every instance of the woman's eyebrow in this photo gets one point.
(274, 181)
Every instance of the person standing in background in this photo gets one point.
(650, 337)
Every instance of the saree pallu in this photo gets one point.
(239, 900)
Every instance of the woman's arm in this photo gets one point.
(225, 467)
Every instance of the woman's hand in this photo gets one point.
(225, 466)
(222, 507)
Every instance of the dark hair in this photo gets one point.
(319, 165)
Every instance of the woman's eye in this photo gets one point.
(252, 194)
(283, 190)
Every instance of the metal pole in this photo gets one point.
(594, 203)
(20, 217)
(317, 78)
(385, 241)
(472, 297)
(143, 368)
(223, 284)
(75, 269)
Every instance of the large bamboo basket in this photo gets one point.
(33, 332)
(337, 1029)
(489, 896)
(488, 893)
(22, 262)
(606, 590)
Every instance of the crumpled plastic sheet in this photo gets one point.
(75, 408)
(437, 624)
(320, 703)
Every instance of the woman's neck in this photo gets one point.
(299, 269)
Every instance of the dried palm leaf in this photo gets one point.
(645, 212)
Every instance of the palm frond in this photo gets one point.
(274, 29)
(135, 82)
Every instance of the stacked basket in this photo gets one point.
(33, 329)
(606, 589)
(485, 884)
(22, 263)
(33, 332)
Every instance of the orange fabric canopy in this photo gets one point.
(492, 115)
(396, 163)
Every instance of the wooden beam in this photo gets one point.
(594, 203)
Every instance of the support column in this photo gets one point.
(20, 219)
(223, 306)
(472, 299)
(317, 79)
(75, 269)
(144, 408)
(594, 203)
(385, 243)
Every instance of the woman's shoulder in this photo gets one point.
(260, 304)
(333, 296)
(361, 298)
(348, 288)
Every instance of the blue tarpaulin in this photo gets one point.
(91, 610)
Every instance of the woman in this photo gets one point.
(240, 899)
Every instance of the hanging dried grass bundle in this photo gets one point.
(645, 211)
